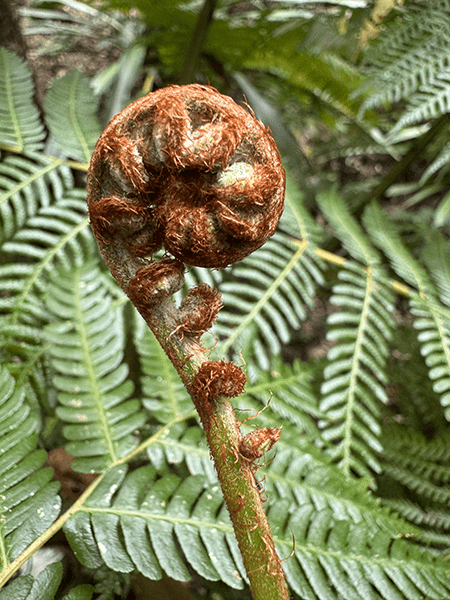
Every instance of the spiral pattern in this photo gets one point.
(188, 170)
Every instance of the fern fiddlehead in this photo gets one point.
(188, 170)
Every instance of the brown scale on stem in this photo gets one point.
(217, 379)
(256, 443)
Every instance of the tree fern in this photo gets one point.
(29, 501)
(71, 109)
(90, 377)
(20, 124)
(70, 350)
(362, 326)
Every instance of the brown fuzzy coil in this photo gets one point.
(186, 169)
(218, 378)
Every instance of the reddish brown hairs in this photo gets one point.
(186, 169)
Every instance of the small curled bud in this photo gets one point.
(188, 170)
(198, 311)
(218, 378)
(256, 443)
(156, 282)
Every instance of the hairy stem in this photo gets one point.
(219, 422)
(235, 474)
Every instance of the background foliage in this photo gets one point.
(342, 319)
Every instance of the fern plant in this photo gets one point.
(357, 481)
(407, 68)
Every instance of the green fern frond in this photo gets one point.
(44, 587)
(164, 394)
(300, 483)
(330, 517)
(71, 115)
(57, 237)
(410, 61)
(87, 339)
(335, 559)
(326, 76)
(21, 128)
(29, 183)
(354, 379)
(422, 468)
(362, 326)
(29, 501)
(154, 525)
(432, 318)
(306, 477)
(265, 302)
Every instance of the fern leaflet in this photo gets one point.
(29, 501)
(21, 128)
(71, 109)
(131, 522)
(29, 183)
(362, 327)
(432, 319)
(57, 236)
(87, 355)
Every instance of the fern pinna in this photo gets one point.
(356, 492)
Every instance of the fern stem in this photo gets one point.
(235, 474)
(197, 41)
(174, 210)
(222, 430)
